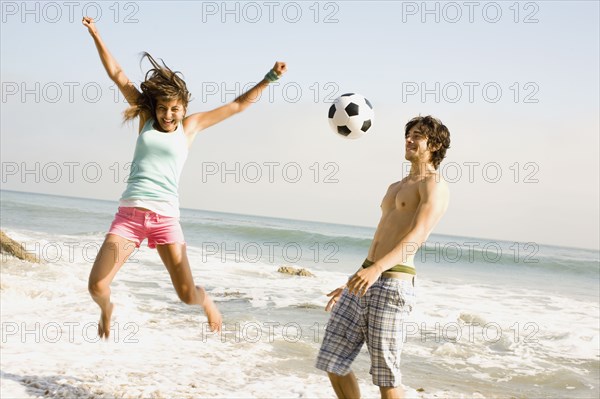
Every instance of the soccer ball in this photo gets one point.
(351, 116)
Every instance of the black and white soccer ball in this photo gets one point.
(351, 116)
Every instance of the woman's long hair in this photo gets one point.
(161, 83)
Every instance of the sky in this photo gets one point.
(516, 83)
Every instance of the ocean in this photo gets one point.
(493, 318)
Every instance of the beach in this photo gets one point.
(494, 319)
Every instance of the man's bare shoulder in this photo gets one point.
(434, 185)
(397, 183)
(394, 185)
(435, 178)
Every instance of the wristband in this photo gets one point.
(271, 76)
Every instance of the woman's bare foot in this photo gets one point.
(104, 323)
(215, 320)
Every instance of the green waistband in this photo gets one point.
(398, 268)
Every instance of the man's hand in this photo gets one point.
(363, 280)
(335, 296)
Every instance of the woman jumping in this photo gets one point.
(149, 207)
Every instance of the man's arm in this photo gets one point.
(433, 203)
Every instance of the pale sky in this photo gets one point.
(517, 84)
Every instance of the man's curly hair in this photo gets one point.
(438, 136)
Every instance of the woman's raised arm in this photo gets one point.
(115, 73)
(199, 121)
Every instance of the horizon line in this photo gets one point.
(305, 220)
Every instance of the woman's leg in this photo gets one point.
(112, 255)
(174, 256)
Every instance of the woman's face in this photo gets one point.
(169, 113)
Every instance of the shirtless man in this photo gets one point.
(380, 295)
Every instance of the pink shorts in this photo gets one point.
(137, 224)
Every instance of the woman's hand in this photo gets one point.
(89, 23)
(335, 296)
(280, 68)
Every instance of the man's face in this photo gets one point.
(416, 145)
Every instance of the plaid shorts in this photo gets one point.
(376, 319)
